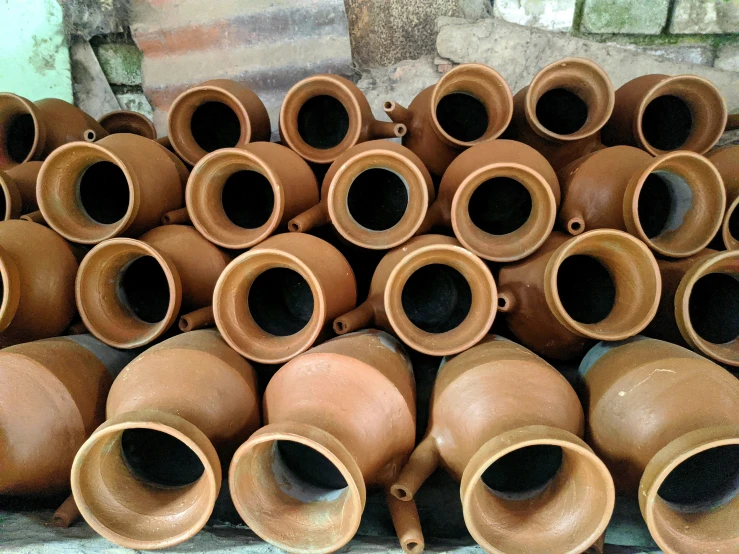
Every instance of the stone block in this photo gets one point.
(552, 15)
(705, 16)
(701, 54)
(121, 63)
(136, 102)
(642, 17)
(727, 57)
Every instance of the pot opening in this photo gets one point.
(248, 199)
(377, 199)
(586, 289)
(280, 301)
(714, 307)
(160, 459)
(20, 134)
(436, 298)
(734, 223)
(703, 482)
(462, 116)
(3, 204)
(500, 206)
(323, 122)
(144, 289)
(214, 125)
(523, 473)
(561, 111)
(103, 192)
(308, 468)
(667, 122)
(664, 200)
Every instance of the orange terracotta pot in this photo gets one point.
(338, 419)
(436, 296)
(126, 121)
(18, 186)
(665, 421)
(32, 130)
(274, 301)
(324, 115)
(500, 198)
(149, 476)
(470, 104)
(726, 160)
(602, 285)
(508, 427)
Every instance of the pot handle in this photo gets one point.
(422, 463)
(407, 524)
(66, 514)
(313, 217)
(35, 217)
(198, 319)
(386, 129)
(398, 113)
(177, 217)
(506, 300)
(360, 317)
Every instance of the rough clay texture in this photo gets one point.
(552, 15)
(705, 16)
(625, 16)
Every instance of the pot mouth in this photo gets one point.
(440, 299)
(20, 132)
(569, 100)
(676, 205)
(553, 492)
(126, 121)
(320, 118)
(146, 480)
(685, 112)
(730, 227)
(503, 212)
(603, 284)
(10, 199)
(128, 293)
(471, 103)
(234, 199)
(298, 488)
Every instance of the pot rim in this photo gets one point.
(730, 241)
(39, 134)
(122, 114)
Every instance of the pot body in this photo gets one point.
(725, 160)
(126, 121)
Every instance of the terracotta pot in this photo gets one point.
(602, 285)
(375, 194)
(274, 301)
(216, 114)
(726, 160)
(41, 437)
(126, 121)
(149, 476)
(143, 181)
(18, 186)
(338, 419)
(129, 292)
(32, 130)
(660, 113)
(508, 427)
(665, 421)
(562, 111)
(501, 199)
(436, 296)
(37, 269)
(237, 197)
(470, 104)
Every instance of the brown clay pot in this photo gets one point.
(274, 301)
(324, 115)
(436, 296)
(562, 111)
(602, 285)
(509, 427)
(237, 197)
(216, 114)
(129, 292)
(41, 436)
(37, 268)
(18, 186)
(143, 180)
(666, 423)
(726, 160)
(32, 130)
(149, 476)
(500, 198)
(338, 419)
(126, 121)
(660, 113)
(375, 194)
(470, 104)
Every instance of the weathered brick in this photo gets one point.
(705, 16)
(552, 15)
(625, 16)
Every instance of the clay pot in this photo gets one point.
(216, 114)
(375, 194)
(32, 130)
(52, 394)
(149, 476)
(37, 268)
(726, 160)
(237, 197)
(470, 104)
(129, 292)
(660, 113)
(602, 285)
(562, 111)
(126, 121)
(666, 423)
(274, 301)
(18, 186)
(509, 427)
(338, 419)
(143, 180)
(501, 199)
(324, 115)
(436, 296)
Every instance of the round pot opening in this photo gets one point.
(248, 199)
(214, 125)
(462, 116)
(667, 122)
(4, 202)
(280, 301)
(323, 122)
(523, 473)
(307, 468)
(734, 223)
(561, 111)
(378, 199)
(500, 205)
(19, 134)
(144, 289)
(586, 289)
(713, 307)
(664, 201)
(103, 192)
